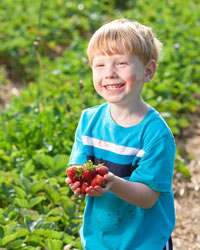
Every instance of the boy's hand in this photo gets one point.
(92, 191)
(89, 179)
(75, 186)
(98, 190)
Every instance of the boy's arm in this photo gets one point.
(135, 193)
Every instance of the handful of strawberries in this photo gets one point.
(88, 175)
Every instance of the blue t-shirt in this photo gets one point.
(142, 153)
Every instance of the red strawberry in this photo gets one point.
(98, 180)
(88, 174)
(74, 173)
(102, 170)
(83, 187)
(89, 171)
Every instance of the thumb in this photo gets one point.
(109, 177)
(68, 181)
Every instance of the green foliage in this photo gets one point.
(174, 90)
(36, 138)
(36, 208)
(44, 44)
(50, 26)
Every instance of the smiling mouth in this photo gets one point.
(114, 86)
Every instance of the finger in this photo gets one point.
(97, 188)
(109, 177)
(77, 191)
(101, 190)
(68, 181)
(89, 189)
(75, 185)
(93, 193)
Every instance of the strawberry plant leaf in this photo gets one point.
(13, 216)
(4, 156)
(16, 244)
(29, 168)
(1, 232)
(61, 161)
(37, 186)
(10, 228)
(25, 182)
(31, 224)
(182, 168)
(35, 241)
(49, 233)
(68, 205)
(52, 244)
(45, 161)
(2, 219)
(21, 232)
(36, 200)
(20, 192)
(52, 193)
(53, 218)
(56, 211)
(21, 203)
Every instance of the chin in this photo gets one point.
(113, 102)
(111, 99)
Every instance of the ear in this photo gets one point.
(150, 70)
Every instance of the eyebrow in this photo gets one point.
(115, 56)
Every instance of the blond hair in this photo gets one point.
(125, 36)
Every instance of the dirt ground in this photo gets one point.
(186, 235)
(6, 93)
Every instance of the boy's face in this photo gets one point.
(118, 78)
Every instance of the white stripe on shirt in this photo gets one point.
(112, 147)
(167, 246)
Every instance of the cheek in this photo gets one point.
(96, 88)
(95, 77)
(96, 83)
(132, 78)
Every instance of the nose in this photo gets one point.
(110, 72)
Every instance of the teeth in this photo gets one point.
(114, 86)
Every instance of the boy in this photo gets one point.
(135, 210)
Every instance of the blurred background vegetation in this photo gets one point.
(43, 49)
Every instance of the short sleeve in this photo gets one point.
(78, 155)
(155, 167)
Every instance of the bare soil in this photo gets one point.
(7, 92)
(186, 235)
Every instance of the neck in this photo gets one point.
(127, 116)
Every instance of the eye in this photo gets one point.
(121, 63)
(99, 65)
